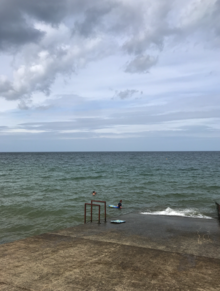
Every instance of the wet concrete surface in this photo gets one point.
(145, 253)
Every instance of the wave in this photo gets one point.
(185, 213)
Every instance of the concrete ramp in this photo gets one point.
(145, 253)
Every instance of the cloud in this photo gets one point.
(5, 85)
(141, 64)
(199, 115)
(39, 71)
(15, 28)
(93, 18)
(2, 128)
(18, 18)
(23, 105)
(141, 23)
(38, 75)
(52, 38)
(126, 93)
(121, 128)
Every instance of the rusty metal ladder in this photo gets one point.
(92, 204)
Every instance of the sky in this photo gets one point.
(109, 75)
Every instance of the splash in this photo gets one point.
(184, 213)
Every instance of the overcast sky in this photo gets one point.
(109, 75)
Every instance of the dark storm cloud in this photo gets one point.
(50, 11)
(15, 29)
(17, 16)
(17, 33)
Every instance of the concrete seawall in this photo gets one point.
(145, 253)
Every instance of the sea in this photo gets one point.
(42, 192)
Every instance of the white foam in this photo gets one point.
(184, 212)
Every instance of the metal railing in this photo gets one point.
(92, 204)
(99, 202)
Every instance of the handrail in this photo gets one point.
(91, 211)
(100, 202)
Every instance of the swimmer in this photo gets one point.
(120, 205)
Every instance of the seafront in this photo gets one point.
(145, 253)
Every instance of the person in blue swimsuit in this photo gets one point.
(120, 205)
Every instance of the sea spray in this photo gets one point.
(184, 212)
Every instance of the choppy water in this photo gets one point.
(40, 192)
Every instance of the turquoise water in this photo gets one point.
(40, 192)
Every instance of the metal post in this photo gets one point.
(85, 213)
(101, 202)
(91, 211)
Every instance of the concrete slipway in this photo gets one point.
(145, 253)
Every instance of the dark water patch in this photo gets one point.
(46, 177)
(84, 178)
(212, 188)
(3, 174)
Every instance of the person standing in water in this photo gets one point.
(93, 193)
(120, 205)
